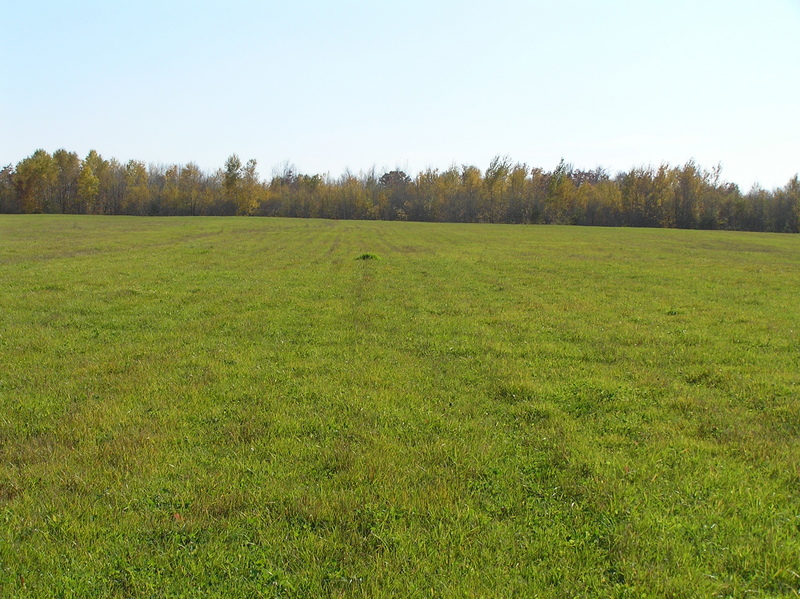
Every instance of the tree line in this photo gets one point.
(686, 196)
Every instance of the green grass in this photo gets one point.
(242, 407)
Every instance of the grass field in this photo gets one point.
(245, 407)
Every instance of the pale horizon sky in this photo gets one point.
(329, 86)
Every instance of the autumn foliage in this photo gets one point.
(688, 196)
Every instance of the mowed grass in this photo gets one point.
(242, 407)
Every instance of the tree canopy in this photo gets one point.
(686, 196)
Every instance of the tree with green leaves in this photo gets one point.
(88, 187)
(686, 200)
(35, 180)
(233, 176)
(8, 194)
(786, 207)
(393, 193)
(97, 167)
(170, 192)
(190, 189)
(137, 188)
(249, 192)
(470, 194)
(561, 195)
(66, 187)
(242, 185)
(495, 180)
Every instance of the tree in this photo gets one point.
(422, 204)
(786, 207)
(215, 200)
(242, 185)
(645, 194)
(232, 176)
(248, 196)
(350, 198)
(448, 186)
(114, 186)
(604, 204)
(792, 190)
(395, 179)
(469, 196)
(686, 196)
(88, 186)
(393, 193)
(190, 187)
(66, 187)
(495, 181)
(686, 199)
(8, 195)
(516, 192)
(561, 196)
(137, 190)
(35, 180)
(98, 167)
(170, 193)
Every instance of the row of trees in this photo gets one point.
(509, 192)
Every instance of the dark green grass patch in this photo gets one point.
(236, 407)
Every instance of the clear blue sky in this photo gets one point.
(355, 84)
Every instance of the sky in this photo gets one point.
(360, 84)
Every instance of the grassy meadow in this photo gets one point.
(241, 407)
